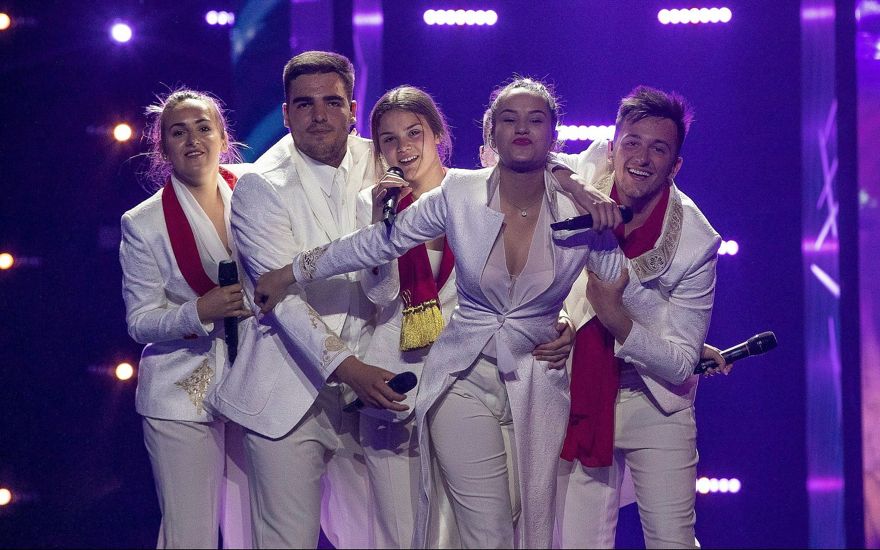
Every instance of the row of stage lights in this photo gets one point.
(122, 32)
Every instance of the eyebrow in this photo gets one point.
(663, 141)
(410, 127)
(532, 112)
(199, 121)
(307, 98)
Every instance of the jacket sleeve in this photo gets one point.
(264, 234)
(424, 220)
(670, 352)
(381, 284)
(150, 316)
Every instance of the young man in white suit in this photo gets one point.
(287, 385)
(647, 350)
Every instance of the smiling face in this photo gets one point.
(407, 141)
(645, 159)
(193, 139)
(319, 115)
(522, 131)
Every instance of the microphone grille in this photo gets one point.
(395, 170)
(762, 343)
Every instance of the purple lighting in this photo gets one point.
(220, 17)
(460, 17)
(694, 15)
(121, 32)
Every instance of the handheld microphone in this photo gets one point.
(389, 203)
(227, 274)
(401, 383)
(756, 345)
(586, 221)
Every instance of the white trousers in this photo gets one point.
(391, 452)
(660, 451)
(199, 470)
(472, 437)
(287, 489)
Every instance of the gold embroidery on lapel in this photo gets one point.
(309, 261)
(654, 262)
(333, 344)
(196, 385)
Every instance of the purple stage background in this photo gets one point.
(71, 447)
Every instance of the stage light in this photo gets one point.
(584, 133)
(706, 485)
(694, 15)
(5, 496)
(121, 32)
(122, 132)
(5, 21)
(220, 17)
(6, 260)
(124, 371)
(460, 17)
(728, 248)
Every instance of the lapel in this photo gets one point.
(487, 221)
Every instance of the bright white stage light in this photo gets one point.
(6, 260)
(5, 496)
(460, 17)
(121, 32)
(124, 371)
(122, 132)
(5, 21)
(694, 15)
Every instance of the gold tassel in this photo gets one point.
(421, 325)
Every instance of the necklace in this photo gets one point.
(523, 211)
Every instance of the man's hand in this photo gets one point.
(607, 301)
(556, 352)
(605, 213)
(272, 287)
(711, 352)
(369, 383)
(221, 302)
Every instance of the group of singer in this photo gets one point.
(555, 368)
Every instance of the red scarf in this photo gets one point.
(422, 318)
(183, 242)
(595, 371)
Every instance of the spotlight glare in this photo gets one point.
(430, 17)
(122, 132)
(724, 15)
(6, 261)
(222, 18)
(5, 496)
(124, 371)
(121, 32)
(211, 17)
(703, 485)
(491, 17)
(5, 21)
(733, 485)
(663, 16)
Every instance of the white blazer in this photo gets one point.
(183, 357)
(670, 294)
(538, 396)
(285, 357)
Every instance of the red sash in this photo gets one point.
(422, 320)
(595, 371)
(183, 242)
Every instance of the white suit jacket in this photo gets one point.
(670, 294)
(182, 358)
(285, 357)
(538, 396)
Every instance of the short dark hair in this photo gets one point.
(644, 102)
(317, 62)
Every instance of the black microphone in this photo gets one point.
(227, 274)
(586, 221)
(401, 383)
(756, 345)
(389, 203)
